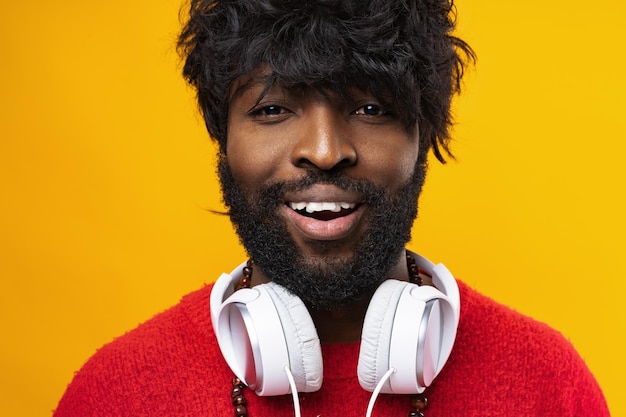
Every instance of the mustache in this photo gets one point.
(272, 194)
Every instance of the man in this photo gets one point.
(324, 112)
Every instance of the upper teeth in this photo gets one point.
(321, 206)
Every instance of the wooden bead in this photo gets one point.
(414, 276)
(240, 400)
(419, 402)
(236, 391)
(245, 280)
(241, 411)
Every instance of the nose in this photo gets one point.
(325, 142)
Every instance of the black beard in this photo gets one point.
(324, 282)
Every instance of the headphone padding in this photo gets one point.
(376, 333)
(303, 344)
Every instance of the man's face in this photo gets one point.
(322, 188)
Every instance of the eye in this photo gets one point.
(269, 113)
(270, 110)
(266, 111)
(371, 110)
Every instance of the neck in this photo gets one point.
(340, 325)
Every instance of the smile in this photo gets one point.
(324, 211)
(323, 220)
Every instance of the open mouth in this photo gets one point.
(324, 211)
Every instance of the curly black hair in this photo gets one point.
(402, 50)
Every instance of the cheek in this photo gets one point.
(251, 159)
(239, 157)
(391, 164)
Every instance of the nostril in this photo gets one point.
(346, 162)
(325, 165)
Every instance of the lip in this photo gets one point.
(327, 230)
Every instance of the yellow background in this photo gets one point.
(106, 172)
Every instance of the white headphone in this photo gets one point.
(410, 328)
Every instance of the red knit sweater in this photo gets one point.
(502, 364)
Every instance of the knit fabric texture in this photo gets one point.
(503, 364)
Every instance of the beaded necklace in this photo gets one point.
(418, 401)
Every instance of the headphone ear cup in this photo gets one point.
(408, 328)
(261, 330)
(303, 344)
(376, 334)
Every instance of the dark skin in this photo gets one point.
(281, 135)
